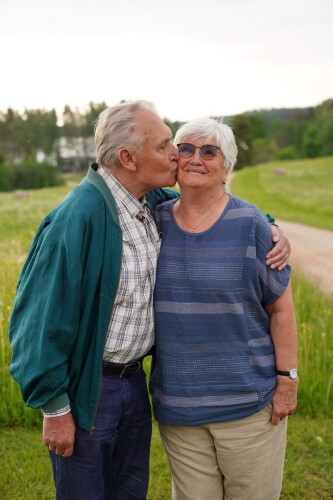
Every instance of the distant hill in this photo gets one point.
(269, 115)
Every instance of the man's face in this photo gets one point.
(156, 166)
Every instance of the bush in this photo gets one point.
(28, 175)
(287, 153)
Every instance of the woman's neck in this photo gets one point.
(196, 211)
(197, 201)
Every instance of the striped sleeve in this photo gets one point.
(273, 283)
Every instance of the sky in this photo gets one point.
(190, 58)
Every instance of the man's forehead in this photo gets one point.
(150, 124)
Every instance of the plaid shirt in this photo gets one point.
(131, 328)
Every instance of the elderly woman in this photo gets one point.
(225, 375)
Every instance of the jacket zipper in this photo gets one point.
(92, 428)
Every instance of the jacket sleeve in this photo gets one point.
(45, 318)
(159, 196)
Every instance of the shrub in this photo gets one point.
(28, 175)
(287, 153)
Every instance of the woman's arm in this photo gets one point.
(284, 336)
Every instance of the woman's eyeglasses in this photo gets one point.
(207, 151)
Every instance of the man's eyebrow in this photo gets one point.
(166, 140)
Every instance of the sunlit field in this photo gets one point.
(298, 191)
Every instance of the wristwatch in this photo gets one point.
(291, 374)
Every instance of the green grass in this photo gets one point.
(25, 468)
(304, 194)
(314, 314)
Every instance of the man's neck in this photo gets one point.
(127, 179)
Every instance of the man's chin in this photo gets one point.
(172, 181)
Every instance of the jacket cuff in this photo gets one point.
(56, 404)
(270, 219)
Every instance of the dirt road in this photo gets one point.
(312, 253)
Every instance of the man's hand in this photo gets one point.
(279, 255)
(284, 399)
(58, 434)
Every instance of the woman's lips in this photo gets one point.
(195, 172)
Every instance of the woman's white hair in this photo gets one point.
(115, 129)
(211, 129)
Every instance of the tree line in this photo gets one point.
(287, 134)
(35, 137)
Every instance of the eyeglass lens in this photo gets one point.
(207, 151)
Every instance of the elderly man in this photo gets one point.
(83, 316)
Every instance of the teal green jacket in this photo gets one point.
(64, 300)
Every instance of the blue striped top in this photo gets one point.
(215, 358)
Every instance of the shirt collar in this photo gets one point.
(134, 207)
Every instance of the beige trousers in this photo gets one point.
(238, 460)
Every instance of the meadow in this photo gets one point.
(297, 191)
(24, 465)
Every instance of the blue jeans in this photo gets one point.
(113, 462)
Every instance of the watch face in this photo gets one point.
(293, 373)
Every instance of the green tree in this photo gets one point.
(327, 140)
(311, 145)
(241, 125)
(264, 150)
(90, 116)
(41, 130)
(174, 126)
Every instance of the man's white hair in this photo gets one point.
(115, 129)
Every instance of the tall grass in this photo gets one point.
(314, 313)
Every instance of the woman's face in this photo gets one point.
(197, 172)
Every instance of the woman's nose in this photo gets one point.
(196, 158)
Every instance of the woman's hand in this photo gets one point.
(285, 398)
(279, 255)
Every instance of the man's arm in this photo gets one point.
(279, 255)
(284, 336)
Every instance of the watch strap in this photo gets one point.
(293, 374)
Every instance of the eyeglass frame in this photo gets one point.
(200, 147)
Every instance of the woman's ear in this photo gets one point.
(225, 174)
(127, 158)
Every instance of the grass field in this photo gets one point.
(24, 465)
(298, 191)
(25, 469)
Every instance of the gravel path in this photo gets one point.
(311, 253)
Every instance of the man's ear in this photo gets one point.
(127, 158)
